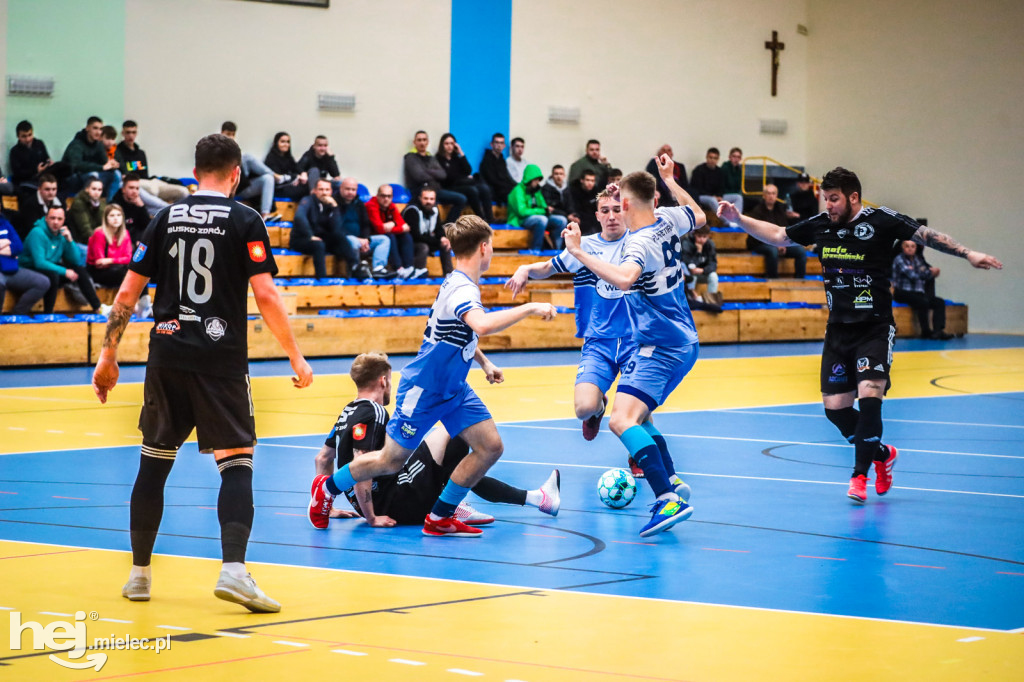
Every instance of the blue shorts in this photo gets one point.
(654, 372)
(601, 360)
(417, 410)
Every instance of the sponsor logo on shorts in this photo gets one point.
(140, 253)
(168, 327)
(257, 252)
(864, 300)
(863, 364)
(839, 369)
(581, 369)
(215, 328)
(408, 430)
(359, 431)
(879, 368)
(863, 231)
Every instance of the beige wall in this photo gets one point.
(191, 64)
(693, 73)
(923, 100)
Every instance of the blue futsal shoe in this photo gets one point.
(664, 515)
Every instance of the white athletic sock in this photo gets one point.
(235, 569)
(141, 572)
(674, 480)
(434, 517)
(534, 498)
(669, 496)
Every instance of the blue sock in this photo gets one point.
(449, 499)
(659, 440)
(645, 453)
(341, 481)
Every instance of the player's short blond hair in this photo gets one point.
(368, 368)
(467, 233)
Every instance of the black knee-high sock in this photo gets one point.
(845, 419)
(234, 506)
(867, 440)
(493, 490)
(147, 506)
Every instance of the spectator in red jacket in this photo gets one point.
(110, 249)
(387, 220)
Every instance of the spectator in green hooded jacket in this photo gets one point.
(527, 209)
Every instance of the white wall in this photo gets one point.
(923, 100)
(693, 73)
(191, 64)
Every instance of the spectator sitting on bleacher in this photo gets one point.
(592, 161)
(317, 231)
(732, 176)
(459, 177)
(708, 182)
(256, 179)
(129, 198)
(527, 208)
(678, 173)
(803, 202)
(356, 227)
(155, 193)
(86, 213)
(290, 181)
(558, 195)
(584, 199)
(30, 160)
(49, 249)
(771, 210)
(30, 284)
(494, 171)
(421, 168)
(110, 249)
(318, 162)
(427, 230)
(87, 158)
(701, 260)
(386, 220)
(33, 202)
(515, 162)
(910, 277)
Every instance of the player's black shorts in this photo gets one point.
(856, 352)
(219, 408)
(409, 495)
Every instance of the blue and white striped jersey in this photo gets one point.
(448, 344)
(600, 307)
(657, 300)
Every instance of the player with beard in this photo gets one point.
(856, 246)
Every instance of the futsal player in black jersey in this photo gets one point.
(856, 244)
(203, 253)
(406, 497)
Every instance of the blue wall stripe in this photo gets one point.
(481, 61)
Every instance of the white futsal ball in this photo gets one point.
(616, 488)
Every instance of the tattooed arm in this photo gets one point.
(104, 378)
(946, 244)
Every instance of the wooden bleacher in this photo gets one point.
(345, 317)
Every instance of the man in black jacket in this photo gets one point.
(584, 198)
(317, 231)
(87, 157)
(33, 203)
(318, 162)
(494, 170)
(427, 231)
(558, 195)
(29, 159)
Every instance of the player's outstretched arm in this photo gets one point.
(769, 233)
(665, 168)
(620, 276)
(272, 309)
(493, 373)
(540, 270)
(946, 244)
(104, 377)
(491, 323)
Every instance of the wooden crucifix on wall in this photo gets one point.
(776, 47)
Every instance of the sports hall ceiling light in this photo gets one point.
(336, 101)
(564, 115)
(32, 86)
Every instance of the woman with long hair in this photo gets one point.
(290, 182)
(110, 252)
(459, 178)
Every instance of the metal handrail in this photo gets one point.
(764, 175)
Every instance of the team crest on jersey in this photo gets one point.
(863, 231)
(257, 252)
(843, 233)
(140, 253)
(215, 328)
(863, 364)
(359, 432)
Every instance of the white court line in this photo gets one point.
(971, 639)
(56, 613)
(405, 661)
(887, 419)
(114, 620)
(776, 442)
(231, 634)
(349, 653)
(286, 643)
(173, 627)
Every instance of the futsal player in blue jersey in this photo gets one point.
(434, 388)
(601, 318)
(651, 273)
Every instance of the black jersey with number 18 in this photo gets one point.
(200, 253)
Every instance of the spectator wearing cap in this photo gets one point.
(803, 202)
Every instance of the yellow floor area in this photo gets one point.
(370, 627)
